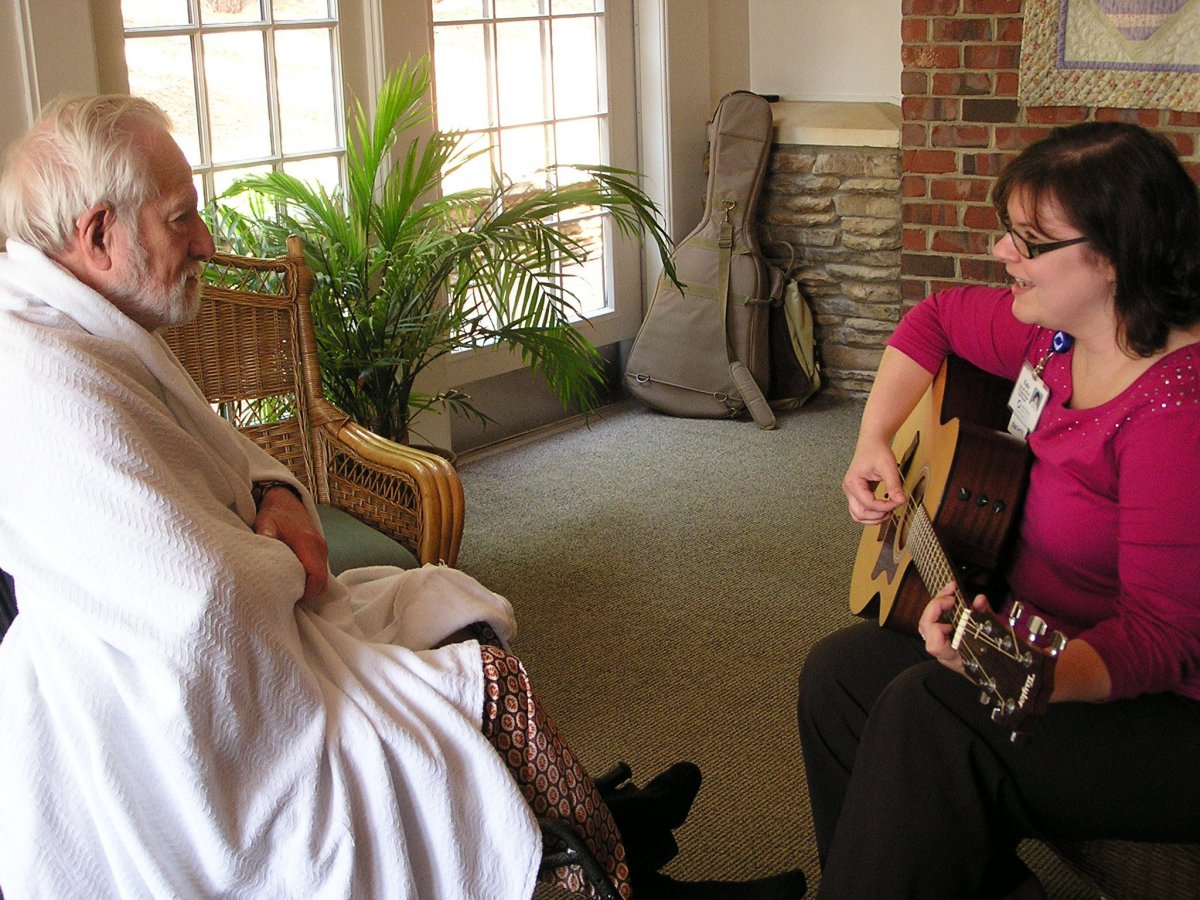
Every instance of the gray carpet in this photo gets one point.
(668, 576)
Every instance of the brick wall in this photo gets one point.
(961, 122)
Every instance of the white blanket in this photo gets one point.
(173, 723)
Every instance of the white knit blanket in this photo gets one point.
(174, 724)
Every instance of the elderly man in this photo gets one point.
(192, 706)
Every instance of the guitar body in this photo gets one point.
(969, 478)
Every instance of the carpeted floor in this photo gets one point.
(668, 577)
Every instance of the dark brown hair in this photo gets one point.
(1125, 189)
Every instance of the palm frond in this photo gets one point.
(406, 274)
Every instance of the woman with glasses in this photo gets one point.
(915, 792)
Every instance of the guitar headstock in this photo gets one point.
(1015, 674)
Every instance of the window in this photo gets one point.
(249, 84)
(526, 79)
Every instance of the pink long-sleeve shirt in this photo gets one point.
(1108, 547)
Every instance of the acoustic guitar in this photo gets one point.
(963, 477)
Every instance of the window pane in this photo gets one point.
(454, 10)
(322, 170)
(586, 281)
(237, 96)
(578, 141)
(523, 153)
(576, 79)
(476, 173)
(145, 13)
(512, 8)
(160, 69)
(296, 10)
(519, 52)
(563, 7)
(460, 67)
(230, 11)
(223, 178)
(307, 107)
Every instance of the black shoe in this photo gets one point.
(657, 886)
(647, 816)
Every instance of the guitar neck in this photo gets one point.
(928, 555)
(1015, 676)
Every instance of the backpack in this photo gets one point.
(705, 349)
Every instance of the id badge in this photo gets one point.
(1029, 398)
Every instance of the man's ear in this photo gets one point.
(93, 236)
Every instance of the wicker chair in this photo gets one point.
(253, 352)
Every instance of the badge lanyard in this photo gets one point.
(1030, 394)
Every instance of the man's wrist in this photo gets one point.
(259, 489)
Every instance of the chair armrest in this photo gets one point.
(411, 495)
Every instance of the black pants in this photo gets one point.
(917, 793)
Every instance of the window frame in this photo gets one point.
(205, 169)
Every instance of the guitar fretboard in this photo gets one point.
(936, 572)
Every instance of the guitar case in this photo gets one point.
(703, 350)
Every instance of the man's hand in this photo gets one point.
(283, 517)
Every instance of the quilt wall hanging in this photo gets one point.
(1139, 54)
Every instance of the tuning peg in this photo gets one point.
(1058, 643)
(1015, 612)
(1037, 628)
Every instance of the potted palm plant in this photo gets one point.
(405, 274)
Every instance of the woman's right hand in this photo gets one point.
(873, 464)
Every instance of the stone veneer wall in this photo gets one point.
(839, 208)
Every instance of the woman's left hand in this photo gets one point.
(937, 633)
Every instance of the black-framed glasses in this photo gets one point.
(1030, 250)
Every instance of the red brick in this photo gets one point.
(961, 30)
(931, 56)
(1148, 118)
(929, 109)
(1055, 115)
(987, 271)
(992, 56)
(914, 134)
(971, 243)
(933, 162)
(914, 82)
(930, 266)
(1185, 144)
(913, 290)
(962, 83)
(929, 7)
(991, 7)
(916, 240)
(1193, 169)
(915, 213)
(981, 218)
(960, 136)
(1183, 119)
(975, 190)
(914, 31)
(914, 186)
(1018, 138)
(988, 164)
(980, 109)
(1010, 30)
(1007, 84)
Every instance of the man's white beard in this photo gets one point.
(155, 306)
